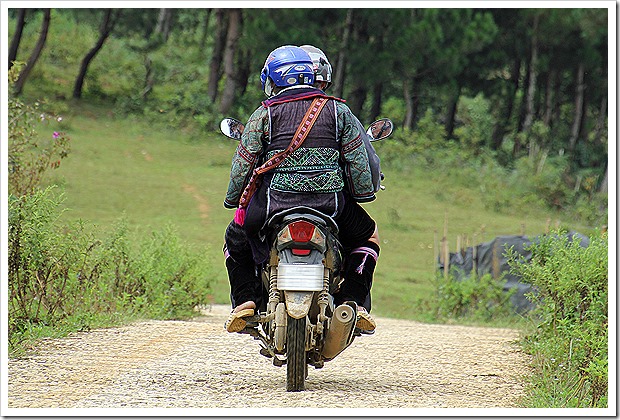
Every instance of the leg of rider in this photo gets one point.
(242, 276)
(358, 233)
(374, 240)
(359, 271)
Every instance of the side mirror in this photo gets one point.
(232, 128)
(380, 129)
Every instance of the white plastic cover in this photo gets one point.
(300, 277)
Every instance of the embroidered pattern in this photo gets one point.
(323, 182)
(310, 159)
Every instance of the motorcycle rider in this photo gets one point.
(315, 175)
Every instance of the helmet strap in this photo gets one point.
(268, 90)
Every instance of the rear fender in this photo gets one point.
(298, 303)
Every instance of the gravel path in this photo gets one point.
(196, 364)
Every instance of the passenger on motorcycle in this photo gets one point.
(322, 80)
(330, 172)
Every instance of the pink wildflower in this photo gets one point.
(56, 134)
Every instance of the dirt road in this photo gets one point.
(196, 364)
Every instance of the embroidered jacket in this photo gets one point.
(332, 157)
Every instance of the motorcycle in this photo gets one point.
(298, 324)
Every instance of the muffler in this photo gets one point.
(340, 332)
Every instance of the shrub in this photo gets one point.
(406, 148)
(477, 122)
(570, 342)
(63, 274)
(480, 299)
(40, 258)
(173, 275)
(30, 157)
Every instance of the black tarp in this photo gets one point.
(491, 259)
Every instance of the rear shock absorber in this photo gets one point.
(274, 293)
(323, 301)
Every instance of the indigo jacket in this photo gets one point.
(332, 158)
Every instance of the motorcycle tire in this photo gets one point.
(296, 367)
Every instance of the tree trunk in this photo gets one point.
(230, 70)
(375, 109)
(530, 92)
(164, 23)
(149, 78)
(600, 121)
(549, 97)
(340, 66)
(531, 88)
(504, 120)
(603, 188)
(104, 33)
(244, 72)
(377, 89)
(356, 99)
(215, 71)
(451, 116)
(523, 106)
(579, 107)
(412, 101)
(205, 30)
(359, 90)
(17, 36)
(36, 52)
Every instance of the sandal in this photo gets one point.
(365, 322)
(236, 321)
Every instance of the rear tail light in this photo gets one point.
(301, 233)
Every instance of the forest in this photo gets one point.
(510, 81)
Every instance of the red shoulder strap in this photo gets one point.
(307, 122)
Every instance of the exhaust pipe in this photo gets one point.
(340, 332)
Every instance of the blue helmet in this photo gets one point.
(287, 66)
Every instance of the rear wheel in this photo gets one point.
(296, 366)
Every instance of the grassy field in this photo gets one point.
(157, 176)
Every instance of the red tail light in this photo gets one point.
(301, 231)
(301, 252)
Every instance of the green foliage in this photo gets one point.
(476, 122)
(60, 273)
(406, 148)
(570, 342)
(547, 179)
(61, 276)
(478, 299)
(172, 275)
(31, 157)
(537, 179)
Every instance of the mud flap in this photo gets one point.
(298, 303)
